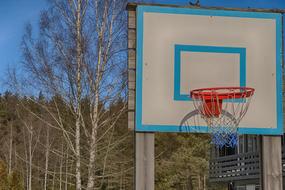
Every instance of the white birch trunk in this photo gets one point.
(10, 149)
(60, 169)
(66, 170)
(26, 163)
(78, 95)
(94, 114)
(78, 161)
(91, 167)
(46, 159)
(53, 181)
(30, 159)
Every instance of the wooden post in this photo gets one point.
(144, 161)
(144, 149)
(271, 163)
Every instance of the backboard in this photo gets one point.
(181, 49)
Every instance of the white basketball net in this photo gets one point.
(223, 115)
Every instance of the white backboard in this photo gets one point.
(181, 49)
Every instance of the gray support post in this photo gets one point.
(271, 162)
(144, 161)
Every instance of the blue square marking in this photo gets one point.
(178, 96)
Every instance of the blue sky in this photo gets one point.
(14, 14)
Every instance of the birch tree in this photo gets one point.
(78, 61)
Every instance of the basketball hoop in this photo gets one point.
(222, 108)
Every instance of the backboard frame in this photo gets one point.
(140, 127)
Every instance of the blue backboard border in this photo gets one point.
(141, 9)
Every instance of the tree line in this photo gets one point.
(35, 154)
